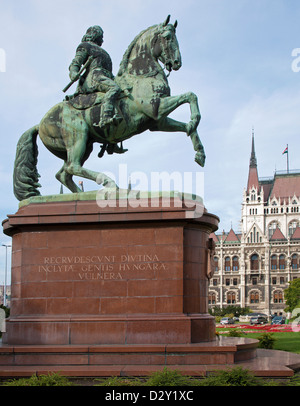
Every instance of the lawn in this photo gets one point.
(286, 340)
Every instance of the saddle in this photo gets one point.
(85, 101)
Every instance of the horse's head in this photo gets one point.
(166, 47)
(158, 42)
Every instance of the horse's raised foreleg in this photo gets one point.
(169, 125)
(169, 104)
(198, 147)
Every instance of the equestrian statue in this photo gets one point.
(108, 110)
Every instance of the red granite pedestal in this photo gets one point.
(117, 290)
(82, 274)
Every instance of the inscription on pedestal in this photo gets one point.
(95, 267)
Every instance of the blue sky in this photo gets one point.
(237, 58)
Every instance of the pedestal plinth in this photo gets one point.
(118, 274)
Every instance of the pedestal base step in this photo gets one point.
(260, 366)
(142, 360)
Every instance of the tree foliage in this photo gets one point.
(292, 295)
(230, 309)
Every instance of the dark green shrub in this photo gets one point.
(168, 377)
(266, 340)
(231, 377)
(119, 381)
(294, 380)
(40, 380)
(235, 333)
(235, 310)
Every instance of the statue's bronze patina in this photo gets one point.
(108, 110)
(98, 76)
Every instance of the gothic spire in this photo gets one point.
(253, 175)
(253, 161)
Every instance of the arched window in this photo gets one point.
(281, 262)
(272, 227)
(254, 297)
(292, 227)
(216, 264)
(212, 298)
(278, 297)
(254, 262)
(231, 298)
(235, 263)
(294, 261)
(273, 262)
(227, 264)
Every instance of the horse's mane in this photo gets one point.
(124, 62)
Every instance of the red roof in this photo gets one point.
(252, 179)
(214, 237)
(286, 186)
(232, 237)
(296, 235)
(267, 187)
(278, 235)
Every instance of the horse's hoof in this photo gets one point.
(110, 185)
(200, 158)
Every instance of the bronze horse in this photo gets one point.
(144, 104)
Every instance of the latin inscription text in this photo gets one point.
(97, 267)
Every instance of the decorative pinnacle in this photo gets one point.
(253, 161)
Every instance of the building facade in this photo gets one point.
(254, 266)
(8, 295)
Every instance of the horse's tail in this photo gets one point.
(26, 176)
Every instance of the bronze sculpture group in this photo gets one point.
(108, 110)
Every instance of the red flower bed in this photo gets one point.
(270, 328)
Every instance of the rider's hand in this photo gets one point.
(73, 74)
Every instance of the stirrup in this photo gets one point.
(119, 150)
(107, 121)
(111, 149)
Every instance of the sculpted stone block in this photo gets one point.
(136, 281)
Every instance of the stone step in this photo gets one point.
(274, 364)
(142, 360)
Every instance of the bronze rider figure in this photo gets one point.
(98, 76)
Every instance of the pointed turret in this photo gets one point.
(253, 174)
(253, 161)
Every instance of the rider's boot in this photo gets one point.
(107, 117)
(116, 149)
(111, 149)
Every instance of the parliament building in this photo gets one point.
(254, 266)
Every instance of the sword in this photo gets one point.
(85, 66)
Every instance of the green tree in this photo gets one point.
(292, 295)
(231, 309)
